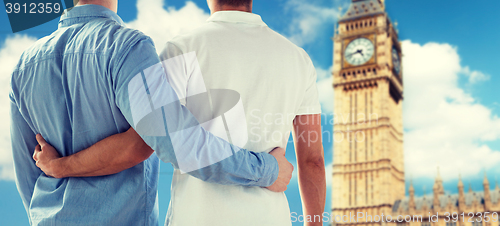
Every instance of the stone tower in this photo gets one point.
(368, 163)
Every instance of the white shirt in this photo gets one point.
(237, 53)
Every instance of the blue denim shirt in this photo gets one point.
(72, 87)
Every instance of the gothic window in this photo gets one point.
(356, 108)
(371, 104)
(451, 223)
(426, 224)
(371, 145)
(350, 192)
(349, 139)
(372, 189)
(366, 147)
(350, 108)
(366, 135)
(366, 189)
(355, 190)
(355, 147)
(366, 105)
(349, 135)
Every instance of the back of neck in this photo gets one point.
(110, 4)
(242, 8)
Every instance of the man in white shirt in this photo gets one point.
(235, 61)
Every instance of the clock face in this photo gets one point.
(359, 51)
(396, 61)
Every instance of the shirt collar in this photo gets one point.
(86, 13)
(236, 17)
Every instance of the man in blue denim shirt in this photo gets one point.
(73, 88)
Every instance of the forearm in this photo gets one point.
(192, 151)
(108, 156)
(311, 165)
(312, 186)
(243, 168)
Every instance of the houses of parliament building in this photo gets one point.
(368, 157)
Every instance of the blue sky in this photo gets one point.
(450, 74)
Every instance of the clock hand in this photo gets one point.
(357, 51)
(360, 51)
(352, 53)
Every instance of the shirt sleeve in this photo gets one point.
(151, 106)
(23, 145)
(310, 102)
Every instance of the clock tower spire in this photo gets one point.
(381, 2)
(368, 167)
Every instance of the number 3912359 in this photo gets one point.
(33, 8)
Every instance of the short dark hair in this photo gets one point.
(234, 2)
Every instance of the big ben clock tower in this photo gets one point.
(368, 163)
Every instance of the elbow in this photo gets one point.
(138, 153)
(144, 152)
(315, 162)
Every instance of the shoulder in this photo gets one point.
(290, 46)
(184, 40)
(131, 35)
(114, 41)
(122, 36)
(197, 37)
(28, 52)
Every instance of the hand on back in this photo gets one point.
(285, 171)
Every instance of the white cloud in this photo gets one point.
(325, 90)
(329, 175)
(322, 74)
(308, 20)
(445, 126)
(475, 76)
(162, 25)
(10, 53)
